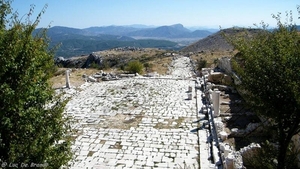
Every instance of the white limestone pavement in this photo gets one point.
(136, 123)
(181, 68)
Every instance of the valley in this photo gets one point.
(73, 42)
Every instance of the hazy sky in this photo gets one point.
(202, 13)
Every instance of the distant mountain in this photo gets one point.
(140, 26)
(200, 33)
(173, 31)
(112, 30)
(212, 30)
(141, 31)
(74, 42)
(217, 42)
(59, 33)
(161, 32)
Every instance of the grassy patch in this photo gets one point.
(115, 108)
(90, 153)
(118, 122)
(102, 141)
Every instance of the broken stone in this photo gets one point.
(67, 79)
(226, 96)
(92, 79)
(223, 135)
(189, 96)
(97, 76)
(190, 89)
(216, 102)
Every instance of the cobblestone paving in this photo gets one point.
(136, 123)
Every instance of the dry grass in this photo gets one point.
(76, 80)
(148, 51)
(161, 65)
(118, 122)
(155, 57)
(210, 57)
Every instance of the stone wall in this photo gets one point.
(222, 153)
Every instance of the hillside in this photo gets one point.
(58, 34)
(217, 42)
(76, 47)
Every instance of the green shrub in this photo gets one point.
(32, 124)
(268, 66)
(94, 66)
(201, 64)
(135, 67)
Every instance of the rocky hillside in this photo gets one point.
(117, 58)
(217, 42)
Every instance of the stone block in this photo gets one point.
(227, 80)
(67, 79)
(223, 135)
(190, 89)
(91, 79)
(216, 77)
(190, 96)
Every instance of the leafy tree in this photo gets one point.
(135, 67)
(268, 65)
(32, 125)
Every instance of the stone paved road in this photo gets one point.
(136, 123)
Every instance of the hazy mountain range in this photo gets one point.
(172, 31)
(74, 42)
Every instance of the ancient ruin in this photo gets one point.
(176, 120)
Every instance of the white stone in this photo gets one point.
(190, 96)
(216, 103)
(67, 79)
(223, 135)
(92, 79)
(229, 162)
(190, 89)
(165, 103)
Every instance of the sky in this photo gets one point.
(190, 13)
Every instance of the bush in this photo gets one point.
(148, 66)
(201, 64)
(94, 66)
(268, 66)
(135, 67)
(32, 126)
